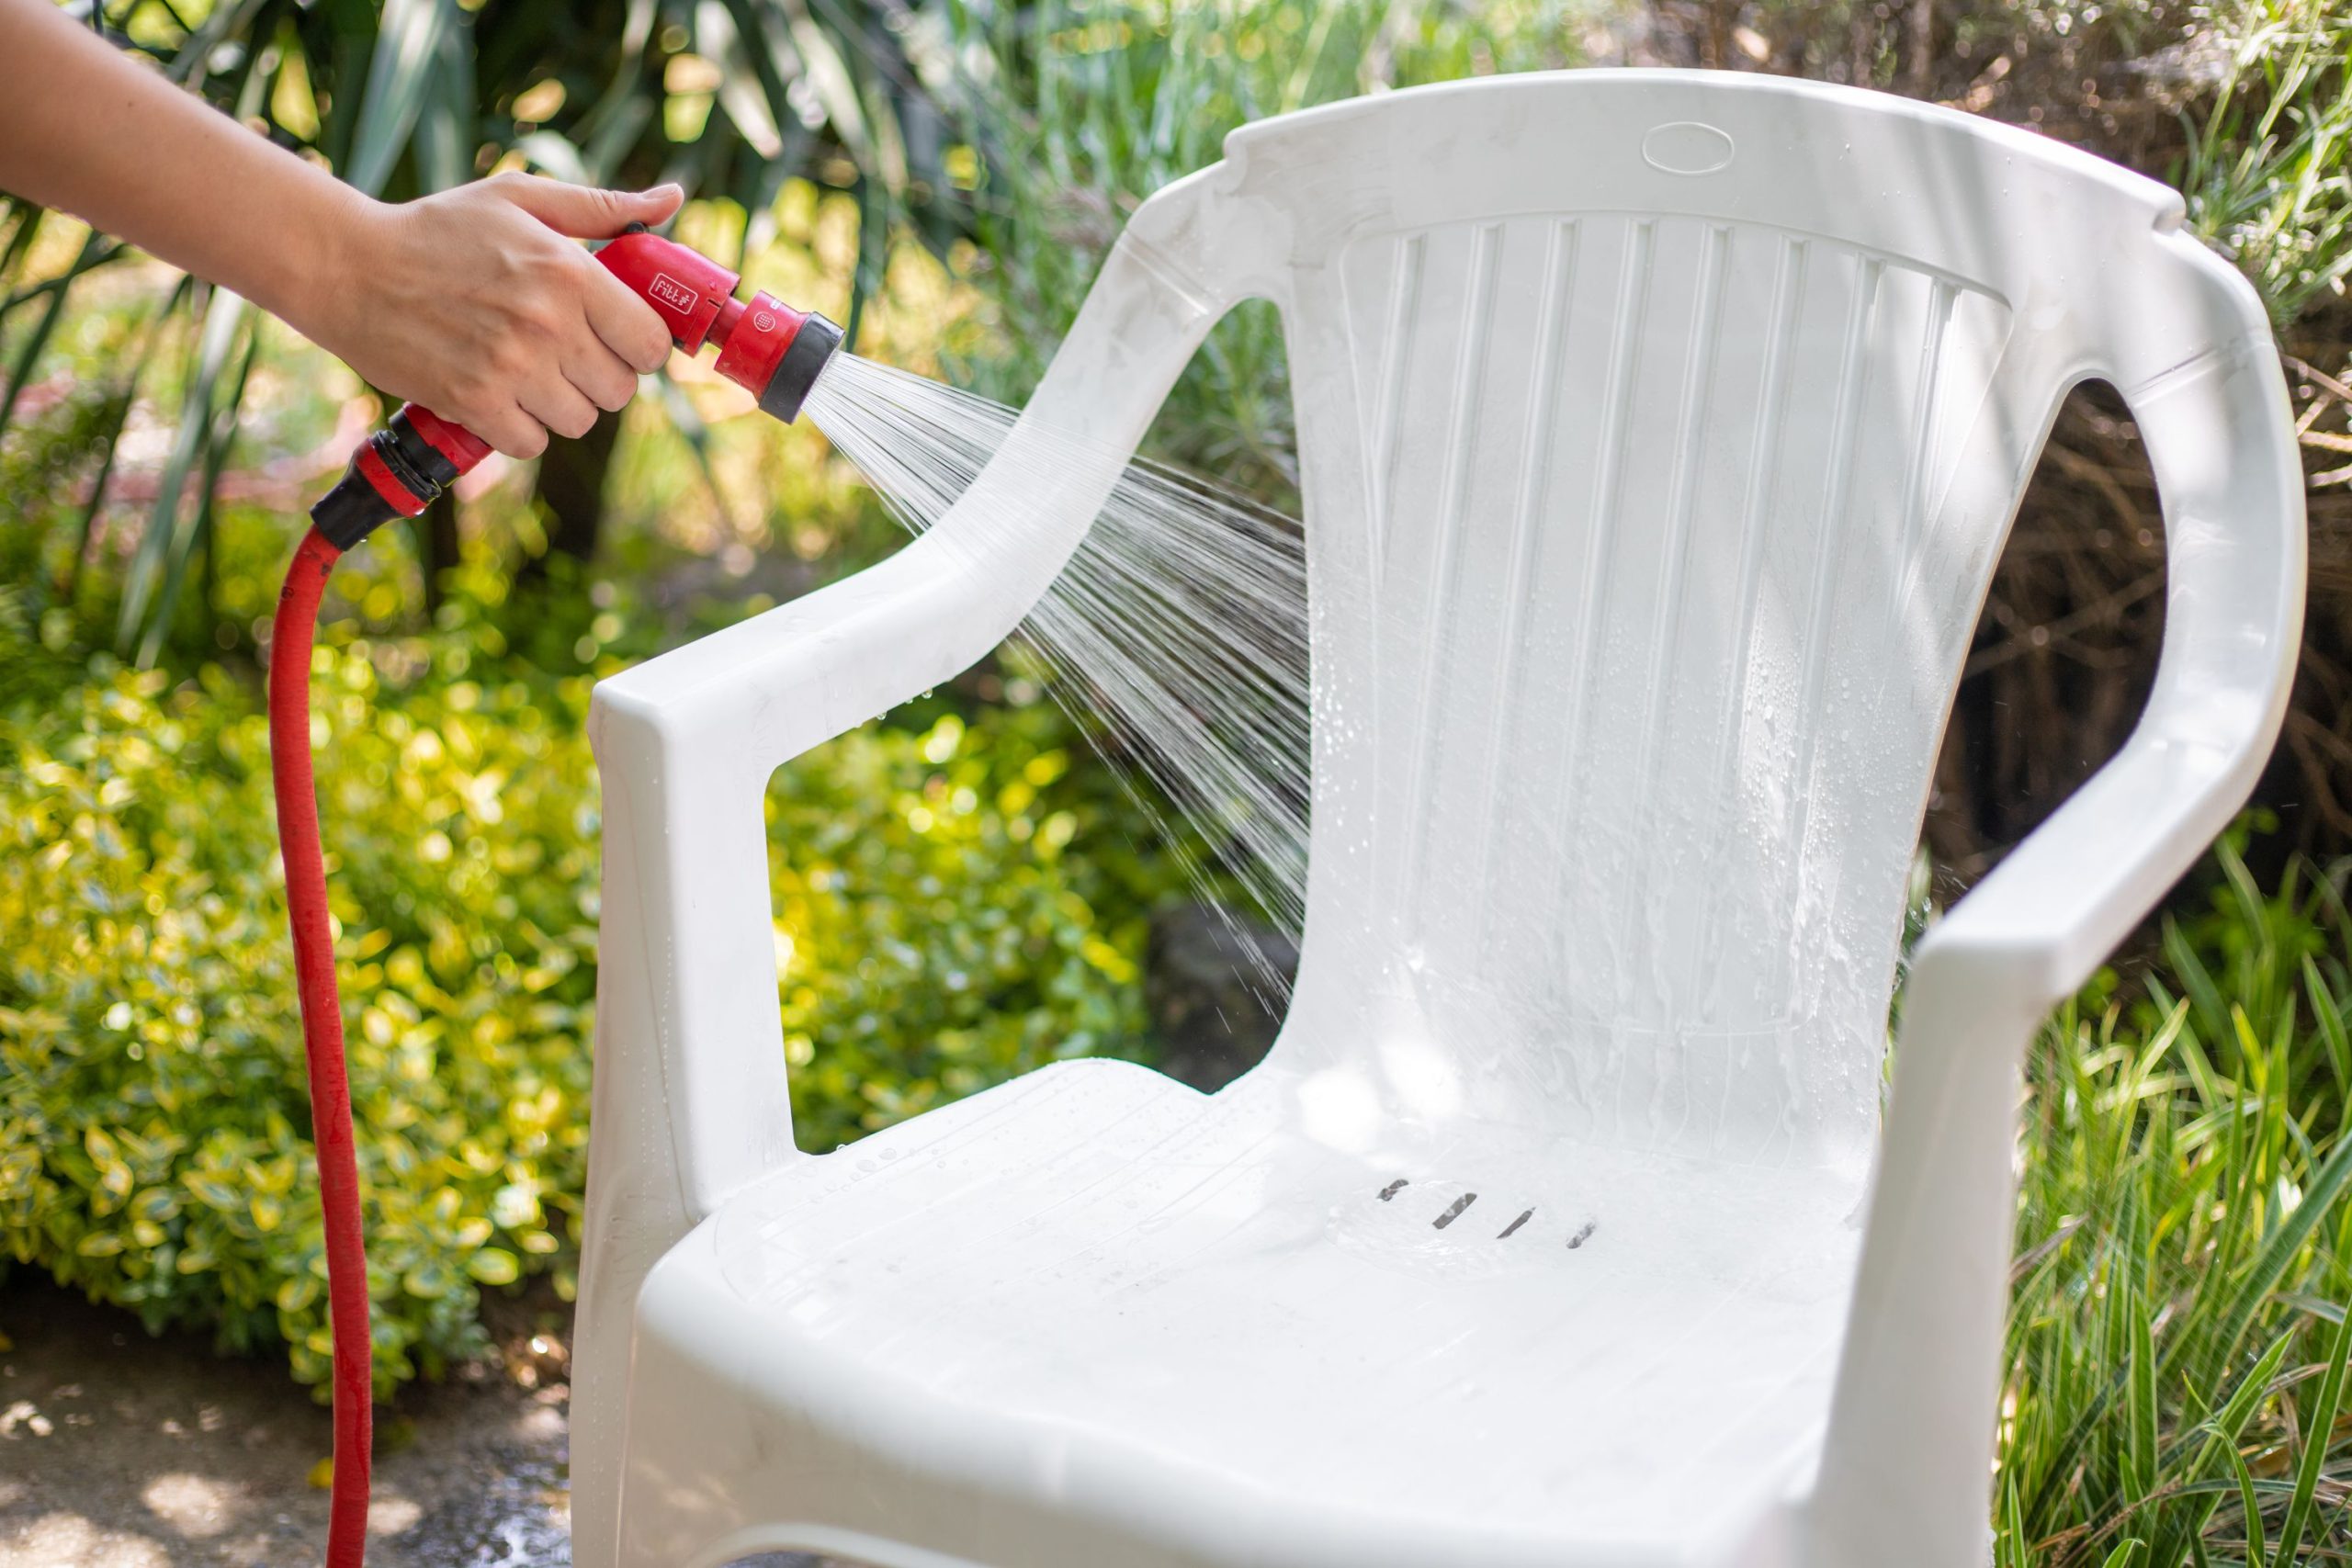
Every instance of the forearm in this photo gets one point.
(91, 132)
(477, 302)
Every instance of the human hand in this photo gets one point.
(474, 303)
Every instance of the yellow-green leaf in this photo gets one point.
(495, 1266)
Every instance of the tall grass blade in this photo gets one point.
(2212, 1013)
(2329, 1015)
(109, 433)
(2249, 1504)
(832, 79)
(220, 439)
(189, 62)
(2270, 1265)
(445, 137)
(2219, 1438)
(553, 151)
(29, 221)
(615, 135)
(2319, 1432)
(743, 90)
(223, 319)
(2142, 1436)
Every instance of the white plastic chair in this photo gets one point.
(1660, 431)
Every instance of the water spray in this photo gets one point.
(765, 346)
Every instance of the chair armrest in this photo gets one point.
(686, 743)
(2066, 896)
(741, 702)
(1912, 1422)
(691, 1100)
(758, 694)
(2220, 437)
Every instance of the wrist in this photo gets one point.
(320, 261)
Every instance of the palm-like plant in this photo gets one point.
(401, 97)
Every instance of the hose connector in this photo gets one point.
(396, 473)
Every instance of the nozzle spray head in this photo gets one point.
(765, 346)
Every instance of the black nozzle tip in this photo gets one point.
(810, 351)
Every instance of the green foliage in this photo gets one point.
(153, 1126)
(2268, 175)
(940, 930)
(152, 1108)
(2175, 1356)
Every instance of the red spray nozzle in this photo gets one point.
(771, 350)
(765, 346)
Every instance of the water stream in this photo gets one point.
(1176, 632)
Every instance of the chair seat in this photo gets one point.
(1184, 1330)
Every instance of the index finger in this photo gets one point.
(630, 327)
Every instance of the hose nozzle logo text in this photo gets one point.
(668, 290)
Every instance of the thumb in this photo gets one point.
(587, 213)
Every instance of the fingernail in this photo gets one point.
(667, 187)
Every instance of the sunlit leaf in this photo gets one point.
(409, 48)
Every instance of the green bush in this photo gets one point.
(154, 1131)
(935, 936)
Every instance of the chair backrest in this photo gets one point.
(1660, 431)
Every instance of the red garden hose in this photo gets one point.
(306, 908)
(764, 345)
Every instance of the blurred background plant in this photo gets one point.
(963, 888)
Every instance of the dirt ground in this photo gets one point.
(118, 1451)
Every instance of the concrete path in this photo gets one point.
(122, 1452)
